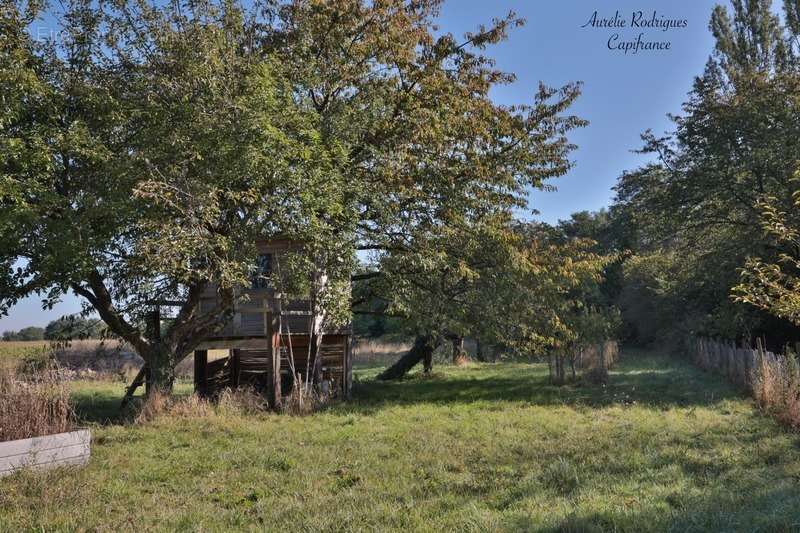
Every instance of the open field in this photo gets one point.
(484, 447)
(12, 352)
(88, 353)
(106, 358)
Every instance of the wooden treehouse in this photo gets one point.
(265, 342)
(268, 338)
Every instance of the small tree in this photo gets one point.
(507, 285)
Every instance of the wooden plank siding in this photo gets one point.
(253, 367)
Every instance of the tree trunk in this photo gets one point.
(421, 351)
(161, 363)
(459, 355)
(479, 355)
(572, 366)
(557, 370)
(427, 361)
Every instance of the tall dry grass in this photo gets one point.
(33, 404)
(304, 399)
(230, 402)
(776, 388)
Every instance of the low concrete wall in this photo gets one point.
(48, 451)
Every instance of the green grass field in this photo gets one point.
(480, 448)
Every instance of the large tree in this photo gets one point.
(153, 144)
(150, 147)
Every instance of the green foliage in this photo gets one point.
(74, 327)
(775, 286)
(155, 142)
(377, 325)
(505, 284)
(166, 145)
(698, 211)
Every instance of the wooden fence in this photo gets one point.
(772, 379)
(741, 366)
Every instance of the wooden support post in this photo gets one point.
(275, 353)
(348, 365)
(235, 369)
(140, 378)
(153, 334)
(201, 372)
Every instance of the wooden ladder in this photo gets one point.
(138, 381)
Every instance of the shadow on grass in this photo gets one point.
(657, 381)
(98, 408)
(102, 405)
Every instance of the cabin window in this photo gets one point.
(262, 272)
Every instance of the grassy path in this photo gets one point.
(481, 448)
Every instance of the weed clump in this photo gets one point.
(304, 399)
(561, 477)
(241, 401)
(776, 387)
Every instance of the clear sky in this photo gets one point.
(623, 94)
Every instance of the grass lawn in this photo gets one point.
(480, 448)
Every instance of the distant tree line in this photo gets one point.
(67, 327)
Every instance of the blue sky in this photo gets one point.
(623, 94)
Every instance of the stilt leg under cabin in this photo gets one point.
(269, 370)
